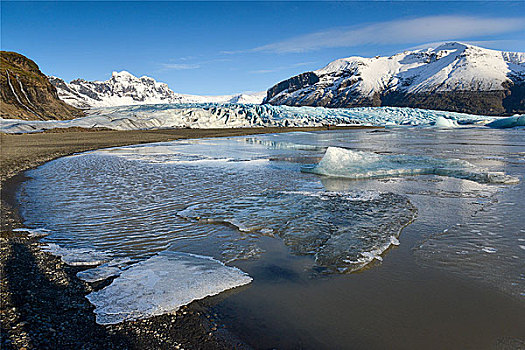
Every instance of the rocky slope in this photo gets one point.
(26, 92)
(453, 76)
(124, 88)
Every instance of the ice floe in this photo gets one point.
(342, 231)
(77, 256)
(347, 163)
(162, 284)
(510, 122)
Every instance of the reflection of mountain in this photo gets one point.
(124, 88)
(453, 77)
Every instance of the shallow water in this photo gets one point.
(455, 279)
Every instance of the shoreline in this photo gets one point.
(43, 303)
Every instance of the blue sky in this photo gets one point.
(229, 47)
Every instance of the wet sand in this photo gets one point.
(43, 304)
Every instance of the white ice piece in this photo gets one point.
(162, 284)
(347, 163)
(77, 256)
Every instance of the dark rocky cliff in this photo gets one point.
(26, 92)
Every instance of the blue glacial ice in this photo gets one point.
(347, 163)
(510, 122)
(238, 116)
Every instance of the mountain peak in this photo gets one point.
(453, 76)
(123, 88)
(123, 74)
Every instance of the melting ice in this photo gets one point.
(343, 231)
(162, 284)
(347, 163)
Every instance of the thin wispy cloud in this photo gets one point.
(184, 65)
(415, 30)
(493, 44)
(180, 66)
(281, 68)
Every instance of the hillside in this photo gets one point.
(453, 76)
(26, 93)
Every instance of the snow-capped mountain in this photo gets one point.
(123, 88)
(453, 76)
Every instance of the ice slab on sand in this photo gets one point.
(162, 284)
(77, 256)
(34, 232)
(347, 163)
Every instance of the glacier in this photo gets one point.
(350, 164)
(213, 115)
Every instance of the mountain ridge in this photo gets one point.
(26, 93)
(453, 76)
(123, 88)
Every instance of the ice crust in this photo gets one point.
(162, 284)
(77, 256)
(109, 269)
(347, 163)
(344, 231)
(34, 232)
(210, 115)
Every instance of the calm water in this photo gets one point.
(381, 262)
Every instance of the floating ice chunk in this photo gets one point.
(339, 228)
(510, 122)
(341, 162)
(442, 122)
(77, 256)
(489, 250)
(162, 284)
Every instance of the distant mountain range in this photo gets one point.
(453, 76)
(123, 88)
